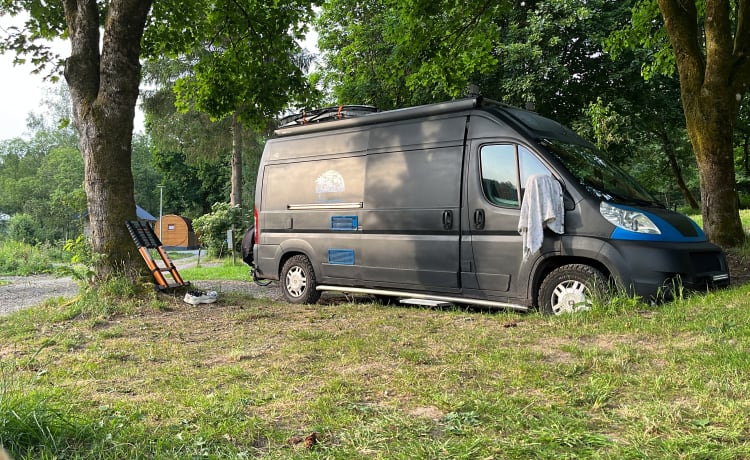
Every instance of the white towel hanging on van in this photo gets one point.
(542, 206)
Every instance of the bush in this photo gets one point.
(23, 229)
(22, 259)
(212, 228)
(744, 200)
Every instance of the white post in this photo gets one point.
(161, 200)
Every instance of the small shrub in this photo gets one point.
(22, 259)
(118, 295)
(212, 227)
(23, 229)
(82, 260)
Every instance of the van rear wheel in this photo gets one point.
(298, 280)
(570, 289)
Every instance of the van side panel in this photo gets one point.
(317, 202)
(297, 148)
(411, 238)
(381, 214)
(412, 206)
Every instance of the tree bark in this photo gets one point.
(104, 90)
(235, 198)
(711, 87)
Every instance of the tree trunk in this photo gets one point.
(712, 80)
(711, 123)
(676, 170)
(236, 196)
(104, 91)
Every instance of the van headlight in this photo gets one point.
(628, 219)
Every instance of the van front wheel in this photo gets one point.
(570, 288)
(298, 280)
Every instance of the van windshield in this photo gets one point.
(601, 178)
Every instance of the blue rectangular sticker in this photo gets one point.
(343, 223)
(341, 256)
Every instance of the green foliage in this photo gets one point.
(23, 259)
(35, 423)
(42, 177)
(645, 30)
(212, 228)
(22, 228)
(394, 54)
(82, 260)
(190, 132)
(189, 187)
(258, 68)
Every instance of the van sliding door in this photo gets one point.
(411, 217)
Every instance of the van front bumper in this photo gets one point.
(658, 270)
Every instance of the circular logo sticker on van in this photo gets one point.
(330, 182)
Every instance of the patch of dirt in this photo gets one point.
(739, 268)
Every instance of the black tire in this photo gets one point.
(570, 288)
(298, 281)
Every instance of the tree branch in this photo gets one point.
(681, 21)
(718, 42)
(82, 67)
(741, 66)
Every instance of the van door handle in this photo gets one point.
(447, 219)
(479, 219)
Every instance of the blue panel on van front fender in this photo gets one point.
(668, 232)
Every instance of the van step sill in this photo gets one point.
(425, 302)
(415, 295)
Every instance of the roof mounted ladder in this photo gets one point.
(338, 112)
(145, 238)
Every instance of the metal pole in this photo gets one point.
(161, 201)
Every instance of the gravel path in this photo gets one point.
(18, 292)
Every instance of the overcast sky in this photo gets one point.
(21, 92)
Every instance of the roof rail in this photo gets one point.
(373, 116)
(326, 114)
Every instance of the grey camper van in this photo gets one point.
(425, 202)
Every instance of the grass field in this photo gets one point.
(151, 377)
(122, 372)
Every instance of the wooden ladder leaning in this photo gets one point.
(145, 238)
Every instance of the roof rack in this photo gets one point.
(326, 114)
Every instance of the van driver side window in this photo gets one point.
(501, 176)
